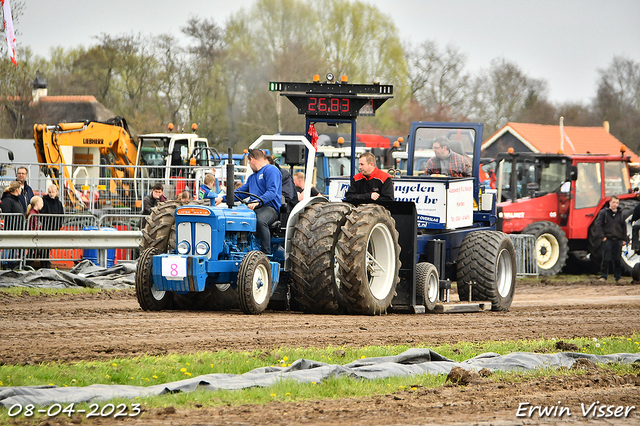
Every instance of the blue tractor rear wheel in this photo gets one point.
(369, 260)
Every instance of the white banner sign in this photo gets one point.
(438, 207)
(460, 204)
(174, 267)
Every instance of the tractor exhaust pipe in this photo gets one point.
(230, 179)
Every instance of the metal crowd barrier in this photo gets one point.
(101, 189)
(62, 241)
(122, 222)
(526, 255)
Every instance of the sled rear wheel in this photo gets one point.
(487, 262)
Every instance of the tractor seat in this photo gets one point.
(275, 226)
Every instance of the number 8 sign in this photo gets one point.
(174, 267)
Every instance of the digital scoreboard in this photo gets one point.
(340, 100)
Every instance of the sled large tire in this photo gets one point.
(160, 229)
(315, 287)
(220, 297)
(368, 260)
(487, 261)
(148, 297)
(552, 246)
(628, 256)
(254, 283)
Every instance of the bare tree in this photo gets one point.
(618, 100)
(16, 95)
(438, 80)
(500, 94)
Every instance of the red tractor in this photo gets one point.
(556, 198)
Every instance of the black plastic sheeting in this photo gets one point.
(409, 363)
(84, 274)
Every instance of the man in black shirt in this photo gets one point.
(371, 184)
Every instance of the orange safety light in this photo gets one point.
(511, 151)
(623, 149)
(170, 127)
(316, 78)
(340, 140)
(194, 127)
(560, 151)
(192, 161)
(396, 144)
(245, 151)
(344, 79)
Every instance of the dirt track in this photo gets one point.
(107, 325)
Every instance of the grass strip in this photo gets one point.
(153, 370)
(150, 370)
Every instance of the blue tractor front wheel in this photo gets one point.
(254, 283)
(149, 298)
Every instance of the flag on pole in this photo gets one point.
(314, 136)
(8, 30)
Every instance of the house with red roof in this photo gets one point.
(543, 138)
(44, 109)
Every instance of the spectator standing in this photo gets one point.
(54, 210)
(25, 197)
(33, 211)
(612, 227)
(11, 204)
(13, 215)
(52, 218)
(151, 200)
(34, 224)
(371, 184)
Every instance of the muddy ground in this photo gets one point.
(110, 324)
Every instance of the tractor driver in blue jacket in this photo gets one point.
(371, 184)
(266, 183)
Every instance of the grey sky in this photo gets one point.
(564, 42)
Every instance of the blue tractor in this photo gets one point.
(198, 256)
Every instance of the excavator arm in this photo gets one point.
(111, 138)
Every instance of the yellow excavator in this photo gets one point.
(88, 143)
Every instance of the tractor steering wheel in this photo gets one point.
(260, 201)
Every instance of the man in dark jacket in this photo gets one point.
(371, 184)
(25, 197)
(152, 200)
(611, 225)
(13, 215)
(288, 188)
